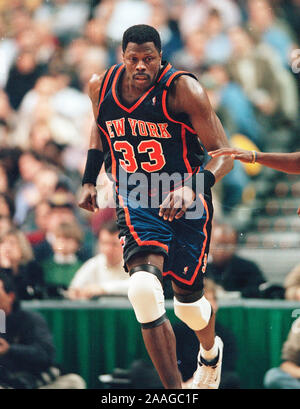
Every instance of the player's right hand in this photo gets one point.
(240, 154)
(88, 198)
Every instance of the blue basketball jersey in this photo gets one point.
(144, 137)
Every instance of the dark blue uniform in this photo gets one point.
(142, 142)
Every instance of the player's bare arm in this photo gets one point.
(189, 97)
(284, 162)
(88, 194)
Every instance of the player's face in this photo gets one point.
(142, 62)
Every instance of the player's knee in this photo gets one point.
(194, 313)
(146, 295)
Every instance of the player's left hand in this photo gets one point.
(176, 203)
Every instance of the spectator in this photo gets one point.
(30, 164)
(229, 271)
(53, 101)
(103, 274)
(44, 183)
(192, 56)
(194, 14)
(62, 211)
(60, 268)
(271, 29)
(292, 284)
(229, 96)
(66, 18)
(27, 354)
(287, 375)
(22, 77)
(270, 80)
(188, 347)
(263, 89)
(218, 46)
(39, 135)
(37, 222)
(16, 259)
(121, 14)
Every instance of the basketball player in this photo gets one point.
(284, 162)
(150, 120)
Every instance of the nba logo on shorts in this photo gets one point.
(185, 269)
(153, 101)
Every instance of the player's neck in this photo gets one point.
(130, 91)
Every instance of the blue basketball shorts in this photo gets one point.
(184, 242)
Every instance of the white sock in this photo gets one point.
(211, 354)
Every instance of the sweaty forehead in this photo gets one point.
(146, 48)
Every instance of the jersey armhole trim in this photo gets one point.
(104, 86)
(164, 99)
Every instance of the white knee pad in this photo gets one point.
(146, 296)
(195, 315)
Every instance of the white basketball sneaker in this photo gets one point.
(208, 373)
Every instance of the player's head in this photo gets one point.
(109, 243)
(139, 34)
(223, 243)
(141, 47)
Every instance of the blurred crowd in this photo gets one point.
(243, 52)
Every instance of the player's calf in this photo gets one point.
(195, 311)
(147, 298)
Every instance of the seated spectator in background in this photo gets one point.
(287, 376)
(273, 30)
(230, 96)
(292, 284)
(62, 210)
(194, 14)
(103, 274)
(188, 347)
(44, 184)
(229, 271)
(192, 56)
(30, 164)
(16, 259)
(37, 223)
(40, 134)
(27, 354)
(63, 108)
(60, 268)
(261, 85)
(22, 77)
(218, 46)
